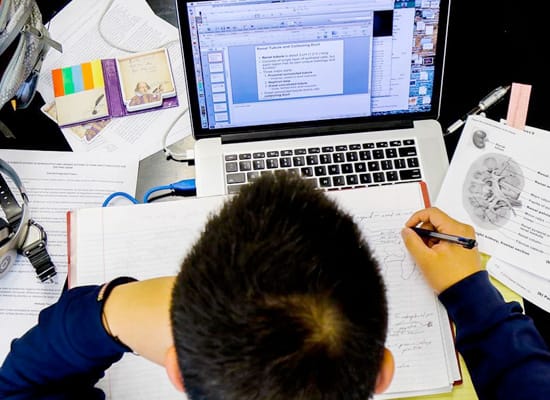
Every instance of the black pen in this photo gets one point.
(465, 242)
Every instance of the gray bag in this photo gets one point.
(22, 20)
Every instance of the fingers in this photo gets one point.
(434, 218)
(431, 215)
(416, 246)
(442, 263)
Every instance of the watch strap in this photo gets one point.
(41, 261)
(37, 252)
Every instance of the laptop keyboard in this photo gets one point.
(331, 167)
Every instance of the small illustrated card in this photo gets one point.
(86, 131)
(107, 88)
(145, 79)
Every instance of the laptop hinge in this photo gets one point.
(255, 135)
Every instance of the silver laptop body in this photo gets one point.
(291, 80)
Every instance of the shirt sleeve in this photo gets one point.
(505, 354)
(69, 347)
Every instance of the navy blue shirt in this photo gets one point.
(68, 351)
(64, 355)
(505, 354)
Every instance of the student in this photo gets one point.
(279, 298)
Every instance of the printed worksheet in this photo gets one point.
(529, 286)
(499, 182)
(55, 182)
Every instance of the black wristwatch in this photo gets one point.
(19, 233)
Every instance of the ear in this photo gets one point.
(173, 369)
(385, 375)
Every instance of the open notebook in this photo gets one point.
(150, 240)
(345, 93)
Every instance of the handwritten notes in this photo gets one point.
(414, 334)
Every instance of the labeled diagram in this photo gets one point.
(492, 189)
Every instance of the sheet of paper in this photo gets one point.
(131, 25)
(160, 234)
(527, 285)
(499, 182)
(56, 182)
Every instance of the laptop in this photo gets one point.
(343, 92)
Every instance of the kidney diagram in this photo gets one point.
(492, 190)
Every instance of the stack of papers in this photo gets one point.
(499, 182)
(116, 30)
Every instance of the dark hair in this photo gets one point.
(280, 298)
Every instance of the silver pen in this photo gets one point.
(485, 103)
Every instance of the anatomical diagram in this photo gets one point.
(492, 190)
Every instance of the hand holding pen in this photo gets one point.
(462, 241)
(447, 261)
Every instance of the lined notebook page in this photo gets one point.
(142, 241)
(151, 240)
(425, 363)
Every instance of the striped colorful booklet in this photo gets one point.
(114, 87)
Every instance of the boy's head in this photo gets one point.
(280, 298)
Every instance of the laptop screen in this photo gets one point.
(253, 64)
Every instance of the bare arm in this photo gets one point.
(138, 314)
